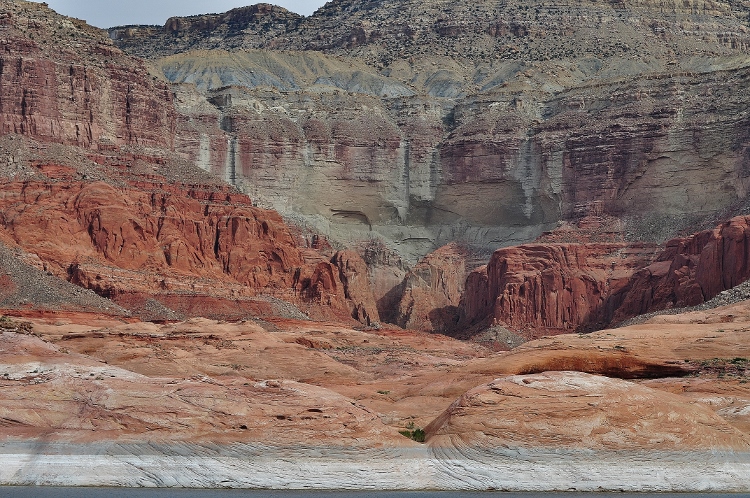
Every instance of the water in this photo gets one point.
(51, 492)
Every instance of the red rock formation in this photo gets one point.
(341, 286)
(63, 81)
(552, 288)
(353, 274)
(135, 235)
(134, 229)
(556, 286)
(691, 270)
(197, 256)
(432, 291)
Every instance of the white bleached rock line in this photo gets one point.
(258, 466)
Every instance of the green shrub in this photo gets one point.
(417, 435)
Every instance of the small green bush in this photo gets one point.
(417, 435)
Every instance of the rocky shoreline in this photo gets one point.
(253, 466)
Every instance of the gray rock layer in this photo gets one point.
(256, 466)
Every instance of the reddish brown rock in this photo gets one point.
(72, 397)
(341, 286)
(353, 275)
(691, 270)
(568, 410)
(133, 229)
(432, 291)
(134, 246)
(552, 288)
(63, 81)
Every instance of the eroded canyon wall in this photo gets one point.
(368, 157)
(62, 81)
(691, 270)
(493, 170)
(422, 123)
(552, 288)
(576, 287)
(97, 189)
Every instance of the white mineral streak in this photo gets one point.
(256, 466)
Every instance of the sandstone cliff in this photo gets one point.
(62, 81)
(690, 271)
(97, 192)
(552, 288)
(196, 249)
(451, 125)
(491, 168)
(432, 291)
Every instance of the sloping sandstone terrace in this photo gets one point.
(79, 394)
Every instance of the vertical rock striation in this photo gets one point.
(552, 288)
(691, 270)
(62, 81)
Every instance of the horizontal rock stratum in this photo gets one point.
(424, 122)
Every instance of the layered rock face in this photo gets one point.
(432, 291)
(275, 400)
(213, 255)
(556, 287)
(62, 81)
(352, 167)
(488, 132)
(95, 193)
(387, 32)
(690, 271)
(242, 28)
(431, 122)
(388, 162)
(334, 163)
(552, 288)
(636, 417)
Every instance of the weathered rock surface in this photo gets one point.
(240, 28)
(340, 286)
(33, 290)
(198, 250)
(691, 270)
(151, 240)
(491, 170)
(484, 131)
(246, 397)
(127, 213)
(386, 33)
(416, 171)
(663, 346)
(95, 191)
(432, 291)
(63, 81)
(569, 410)
(552, 288)
(75, 399)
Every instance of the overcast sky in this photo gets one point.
(108, 13)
